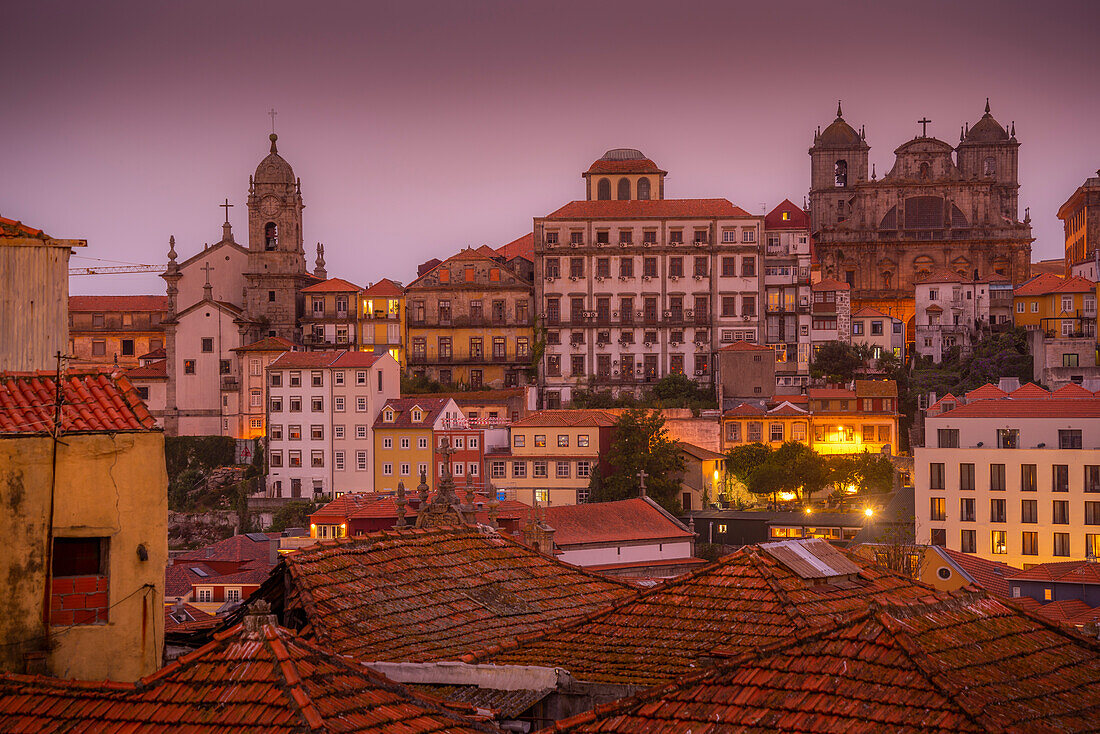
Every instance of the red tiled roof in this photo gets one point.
(124, 304)
(370, 505)
(1030, 390)
(744, 409)
(830, 393)
(1067, 572)
(828, 284)
(952, 663)
(306, 360)
(384, 288)
(158, 353)
(268, 344)
(990, 575)
(191, 618)
(424, 595)
(1040, 285)
(1028, 408)
(1071, 390)
(153, 371)
(1069, 611)
(13, 228)
(179, 576)
(236, 549)
(985, 392)
(798, 218)
(943, 275)
(876, 388)
(649, 209)
(632, 165)
(252, 677)
(870, 313)
(699, 452)
(522, 247)
(332, 285)
(402, 412)
(1075, 284)
(90, 402)
(613, 522)
(567, 419)
(746, 600)
(786, 409)
(745, 347)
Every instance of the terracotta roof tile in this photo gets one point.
(613, 522)
(1028, 408)
(126, 304)
(153, 371)
(332, 285)
(1069, 611)
(235, 549)
(870, 313)
(13, 228)
(90, 402)
(306, 360)
(990, 575)
(402, 412)
(1071, 390)
(1066, 572)
(797, 217)
(985, 392)
(186, 618)
(264, 680)
(828, 284)
(521, 247)
(632, 165)
(384, 288)
(744, 409)
(268, 344)
(158, 353)
(424, 595)
(653, 208)
(1041, 284)
(1074, 284)
(745, 347)
(1030, 390)
(567, 418)
(179, 577)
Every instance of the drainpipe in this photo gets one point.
(48, 591)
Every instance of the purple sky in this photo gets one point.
(418, 128)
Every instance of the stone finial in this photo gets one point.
(422, 488)
(469, 493)
(400, 502)
(273, 137)
(319, 269)
(839, 113)
(227, 232)
(874, 175)
(256, 618)
(171, 249)
(987, 105)
(1012, 134)
(494, 506)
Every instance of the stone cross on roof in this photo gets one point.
(923, 122)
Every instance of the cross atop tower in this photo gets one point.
(227, 206)
(923, 122)
(272, 113)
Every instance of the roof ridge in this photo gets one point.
(288, 671)
(789, 607)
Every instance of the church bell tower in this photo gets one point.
(276, 256)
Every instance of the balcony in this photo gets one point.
(467, 359)
(230, 384)
(381, 316)
(340, 342)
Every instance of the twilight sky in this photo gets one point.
(421, 127)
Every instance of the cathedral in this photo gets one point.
(939, 207)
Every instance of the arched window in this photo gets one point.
(624, 189)
(989, 168)
(603, 190)
(643, 188)
(925, 172)
(924, 212)
(840, 173)
(271, 236)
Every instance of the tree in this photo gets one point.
(293, 515)
(741, 460)
(868, 473)
(642, 443)
(793, 468)
(836, 362)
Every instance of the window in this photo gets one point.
(1028, 478)
(948, 438)
(1092, 513)
(317, 433)
(755, 431)
(1008, 438)
(1029, 511)
(563, 440)
(497, 470)
(188, 366)
(540, 469)
(540, 440)
(1069, 439)
(276, 405)
(748, 267)
(938, 536)
(361, 404)
(360, 460)
(1060, 478)
(317, 405)
(997, 511)
(1061, 544)
(562, 470)
(938, 511)
(968, 542)
(1060, 512)
(275, 459)
(775, 432)
(857, 328)
(207, 344)
(387, 442)
(966, 477)
(936, 476)
(317, 459)
(582, 441)
(294, 433)
(966, 509)
(1019, 307)
(338, 431)
(733, 432)
(361, 433)
(404, 442)
(518, 440)
(387, 469)
(676, 267)
(294, 458)
(1030, 540)
(584, 469)
(406, 470)
(338, 403)
(295, 404)
(1092, 478)
(1092, 545)
(998, 542)
(519, 469)
(748, 235)
(997, 477)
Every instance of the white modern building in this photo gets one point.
(951, 311)
(632, 286)
(320, 410)
(1014, 479)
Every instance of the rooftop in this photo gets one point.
(522, 247)
(828, 284)
(796, 217)
(624, 160)
(649, 209)
(402, 411)
(567, 419)
(384, 288)
(990, 575)
(90, 402)
(1065, 572)
(1027, 408)
(425, 595)
(613, 522)
(332, 285)
(101, 304)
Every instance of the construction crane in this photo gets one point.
(111, 269)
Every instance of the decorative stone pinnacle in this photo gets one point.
(273, 137)
(172, 248)
(839, 114)
(401, 502)
(987, 105)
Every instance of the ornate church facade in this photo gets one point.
(939, 207)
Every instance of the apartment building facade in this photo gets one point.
(1080, 216)
(321, 411)
(330, 320)
(637, 287)
(831, 313)
(1013, 479)
(382, 319)
(1063, 307)
(952, 311)
(787, 295)
(470, 323)
(405, 442)
(115, 330)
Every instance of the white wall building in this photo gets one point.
(203, 337)
(321, 406)
(951, 311)
(637, 287)
(787, 293)
(1013, 479)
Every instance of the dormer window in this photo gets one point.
(417, 415)
(387, 416)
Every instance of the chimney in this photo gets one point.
(256, 618)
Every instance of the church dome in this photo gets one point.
(623, 154)
(839, 134)
(624, 160)
(987, 130)
(273, 168)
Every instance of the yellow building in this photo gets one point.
(749, 423)
(552, 455)
(381, 320)
(404, 440)
(1058, 306)
(469, 322)
(110, 330)
(83, 594)
(857, 419)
